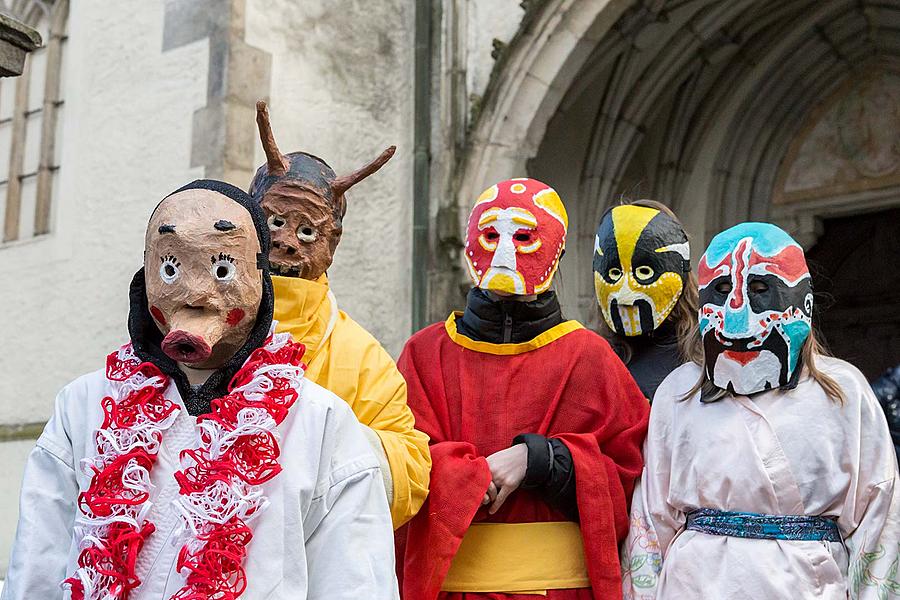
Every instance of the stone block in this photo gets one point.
(16, 41)
(251, 71)
(208, 139)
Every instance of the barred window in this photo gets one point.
(31, 111)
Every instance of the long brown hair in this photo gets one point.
(812, 349)
(683, 315)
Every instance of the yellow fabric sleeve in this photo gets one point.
(359, 370)
(346, 359)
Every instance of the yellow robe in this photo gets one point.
(346, 359)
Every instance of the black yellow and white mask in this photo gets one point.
(641, 259)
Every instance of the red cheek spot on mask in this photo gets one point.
(157, 314)
(235, 316)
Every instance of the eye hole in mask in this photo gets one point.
(306, 234)
(223, 269)
(615, 273)
(758, 287)
(643, 273)
(169, 269)
(276, 222)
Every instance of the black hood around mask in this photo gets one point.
(146, 336)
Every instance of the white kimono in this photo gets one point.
(326, 533)
(781, 453)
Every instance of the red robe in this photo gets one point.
(472, 402)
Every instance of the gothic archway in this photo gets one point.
(697, 104)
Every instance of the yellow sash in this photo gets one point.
(523, 558)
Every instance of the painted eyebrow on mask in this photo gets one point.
(223, 225)
(166, 228)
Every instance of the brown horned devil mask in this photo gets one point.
(304, 203)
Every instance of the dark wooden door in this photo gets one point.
(856, 276)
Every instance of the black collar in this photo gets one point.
(664, 335)
(146, 339)
(507, 321)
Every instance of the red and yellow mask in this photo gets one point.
(515, 237)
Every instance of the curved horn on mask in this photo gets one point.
(276, 162)
(345, 182)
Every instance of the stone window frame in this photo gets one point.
(32, 13)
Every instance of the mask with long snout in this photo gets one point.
(202, 277)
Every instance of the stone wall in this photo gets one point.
(125, 143)
(341, 88)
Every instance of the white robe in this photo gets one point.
(784, 453)
(326, 534)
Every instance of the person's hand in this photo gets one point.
(490, 495)
(507, 473)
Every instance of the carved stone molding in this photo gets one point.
(224, 131)
(16, 41)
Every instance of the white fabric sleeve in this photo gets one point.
(383, 463)
(47, 508)
(870, 521)
(653, 523)
(350, 550)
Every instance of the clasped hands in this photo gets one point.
(507, 473)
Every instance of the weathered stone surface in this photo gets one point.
(124, 143)
(237, 75)
(342, 90)
(12, 59)
(19, 34)
(16, 41)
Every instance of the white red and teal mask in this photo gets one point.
(755, 308)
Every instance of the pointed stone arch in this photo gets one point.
(693, 103)
(527, 86)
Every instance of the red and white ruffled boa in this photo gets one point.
(220, 482)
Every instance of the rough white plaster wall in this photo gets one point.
(12, 464)
(487, 20)
(125, 144)
(342, 89)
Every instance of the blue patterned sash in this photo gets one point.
(763, 527)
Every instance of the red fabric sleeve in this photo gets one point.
(459, 479)
(601, 513)
(458, 483)
(607, 463)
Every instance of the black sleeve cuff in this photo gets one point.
(540, 460)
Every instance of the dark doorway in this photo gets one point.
(856, 274)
